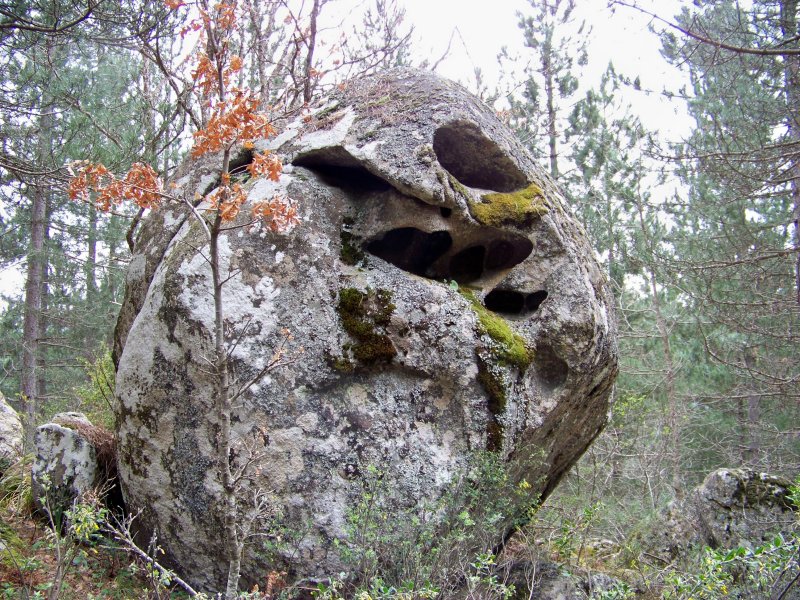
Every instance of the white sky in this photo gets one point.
(485, 27)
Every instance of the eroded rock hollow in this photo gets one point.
(442, 302)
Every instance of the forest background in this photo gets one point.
(698, 233)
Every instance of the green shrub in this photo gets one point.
(96, 396)
(431, 550)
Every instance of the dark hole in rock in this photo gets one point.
(411, 249)
(511, 302)
(534, 300)
(446, 212)
(351, 179)
(236, 167)
(337, 167)
(417, 251)
(475, 160)
(467, 265)
(504, 254)
(552, 371)
(240, 161)
(505, 301)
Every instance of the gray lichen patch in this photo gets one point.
(388, 364)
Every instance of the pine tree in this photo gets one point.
(736, 237)
(557, 48)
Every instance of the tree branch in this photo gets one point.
(707, 40)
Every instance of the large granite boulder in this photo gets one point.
(442, 302)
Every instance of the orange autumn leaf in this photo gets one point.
(227, 199)
(140, 185)
(277, 213)
(205, 75)
(226, 16)
(231, 121)
(267, 164)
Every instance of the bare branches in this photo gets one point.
(704, 38)
(14, 21)
(121, 531)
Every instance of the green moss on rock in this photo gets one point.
(364, 316)
(351, 252)
(495, 387)
(458, 186)
(515, 208)
(509, 346)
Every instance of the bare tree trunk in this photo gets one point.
(41, 358)
(312, 42)
(223, 401)
(789, 29)
(90, 269)
(549, 88)
(673, 446)
(753, 445)
(673, 409)
(34, 289)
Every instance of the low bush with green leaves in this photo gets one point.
(435, 549)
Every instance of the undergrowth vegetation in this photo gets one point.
(443, 551)
(435, 550)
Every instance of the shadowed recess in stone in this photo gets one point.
(428, 254)
(467, 265)
(552, 371)
(237, 167)
(337, 167)
(475, 160)
(411, 249)
(511, 302)
(504, 254)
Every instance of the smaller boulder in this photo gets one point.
(73, 458)
(731, 508)
(545, 580)
(10, 435)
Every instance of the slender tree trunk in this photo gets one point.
(789, 29)
(673, 410)
(550, 92)
(91, 257)
(259, 42)
(41, 358)
(34, 288)
(312, 42)
(753, 445)
(673, 446)
(233, 545)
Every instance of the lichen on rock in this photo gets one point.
(364, 317)
(391, 366)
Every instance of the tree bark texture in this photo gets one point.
(34, 289)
